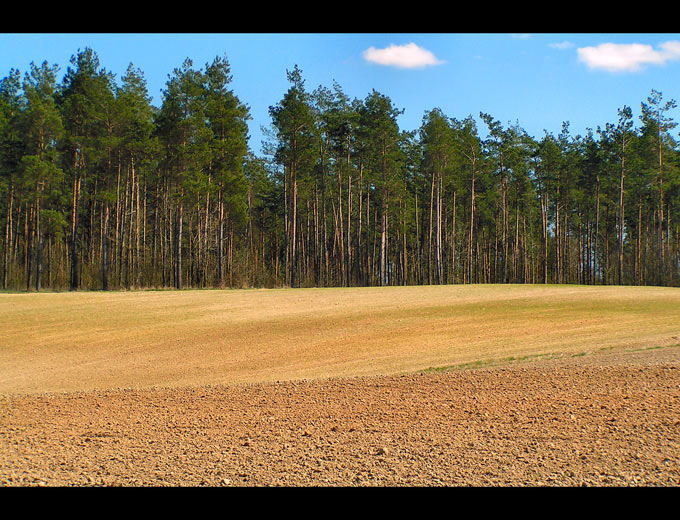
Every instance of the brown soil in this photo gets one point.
(606, 419)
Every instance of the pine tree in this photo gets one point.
(294, 122)
(84, 99)
(41, 174)
(227, 119)
(384, 168)
(11, 151)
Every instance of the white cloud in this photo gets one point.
(562, 45)
(628, 57)
(408, 56)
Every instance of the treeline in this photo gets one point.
(101, 190)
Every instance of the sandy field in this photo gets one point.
(423, 386)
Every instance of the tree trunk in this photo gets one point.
(73, 283)
(8, 239)
(544, 221)
(105, 248)
(178, 247)
(620, 251)
(472, 227)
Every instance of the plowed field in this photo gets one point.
(448, 386)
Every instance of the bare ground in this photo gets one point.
(610, 418)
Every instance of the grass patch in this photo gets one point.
(655, 347)
(490, 362)
(533, 357)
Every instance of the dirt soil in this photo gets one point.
(607, 419)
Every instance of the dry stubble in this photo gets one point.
(54, 342)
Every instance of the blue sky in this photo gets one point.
(538, 80)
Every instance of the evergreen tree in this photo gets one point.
(186, 139)
(656, 121)
(383, 161)
(294, 122)
(11, 150)
(84, 100)
(42, 176)
(227, 118)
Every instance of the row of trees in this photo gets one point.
(99, 189)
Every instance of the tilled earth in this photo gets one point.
(610, 419)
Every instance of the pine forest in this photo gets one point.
(101, 190)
